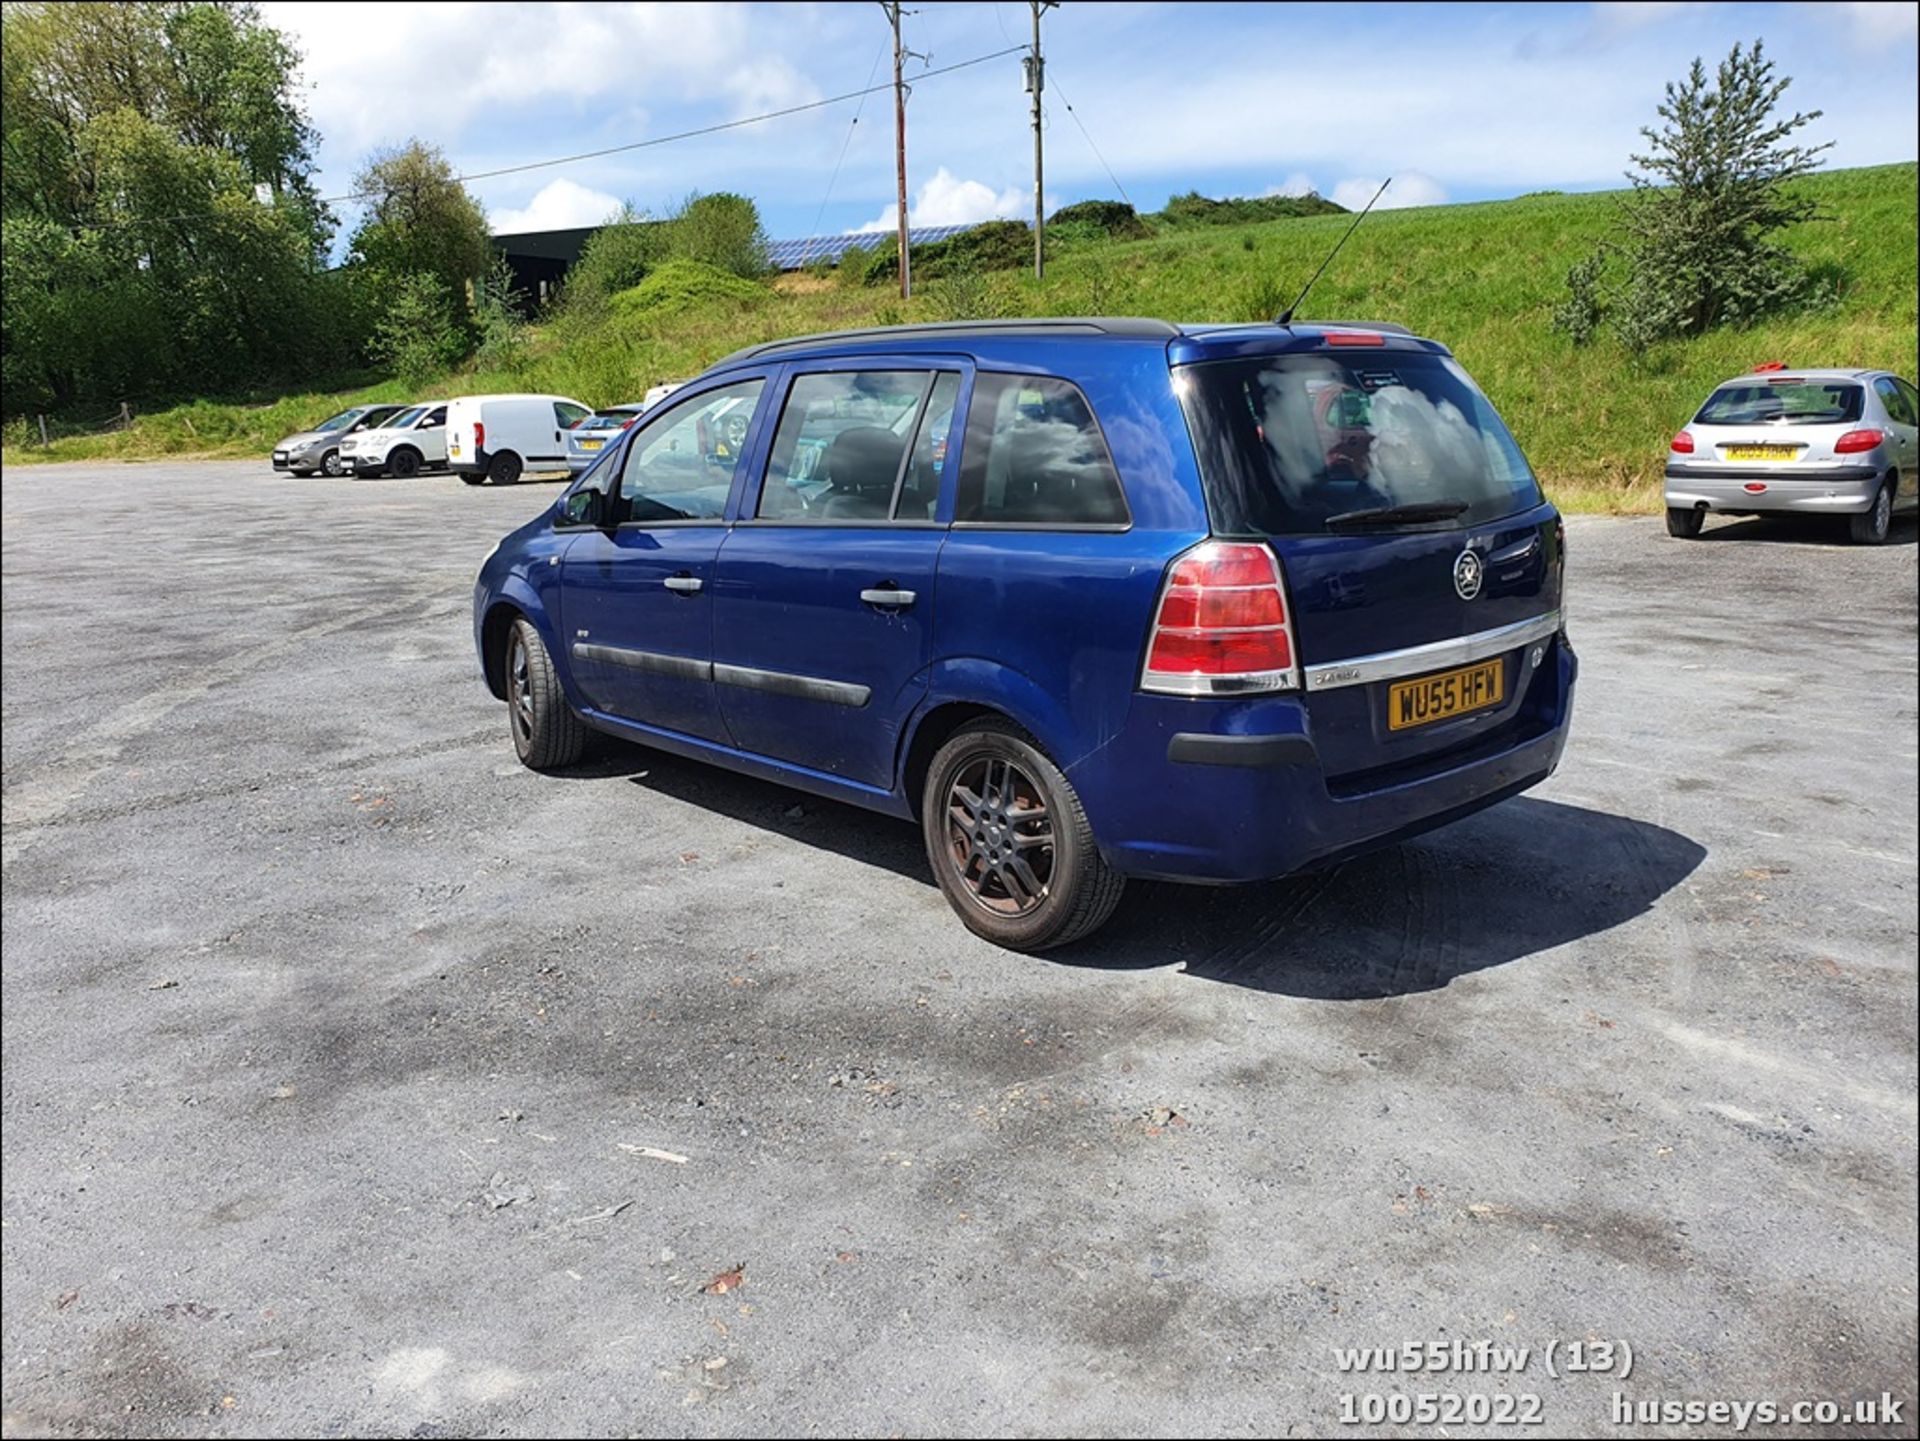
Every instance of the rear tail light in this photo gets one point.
(1855, 441)
(1681, 444)
(1221, 627)
(479, 435)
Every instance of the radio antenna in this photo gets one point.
(1285, 317)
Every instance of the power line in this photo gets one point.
(845, 145)
(1090, 145)
(612, 149)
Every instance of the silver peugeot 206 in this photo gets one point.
(1799, 442)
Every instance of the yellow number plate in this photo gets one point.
(591, 444)
(456, 450)
(1761, 452)
(1454, 692)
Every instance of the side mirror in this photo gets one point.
(584, 507)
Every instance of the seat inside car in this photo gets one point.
(860, 467)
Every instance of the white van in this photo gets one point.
(498, 437)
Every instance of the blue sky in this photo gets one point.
(1459, 102)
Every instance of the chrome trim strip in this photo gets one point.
(801, 687)
(680, 666)
(1419, 659)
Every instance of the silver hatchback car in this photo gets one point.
(1801, 442)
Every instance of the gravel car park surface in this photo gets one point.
(332, 1034)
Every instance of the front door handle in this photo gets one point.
(684, 584)
(889, 596)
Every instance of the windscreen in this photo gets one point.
(404, 418)
(1783, 402)
(336, 422)
(1287, 443)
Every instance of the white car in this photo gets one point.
(500, 437)
(413, 441)
(1799, 442)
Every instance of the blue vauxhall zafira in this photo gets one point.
(1085, 599)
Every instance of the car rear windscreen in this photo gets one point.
(1783, 402)
(1287, 442)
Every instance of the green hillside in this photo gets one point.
(1484, 278)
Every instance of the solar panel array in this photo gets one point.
(799, 254)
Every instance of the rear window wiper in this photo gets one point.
(1396, 514)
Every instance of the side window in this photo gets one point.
(1035, 457)
(1894, 398)
(1912, 398)
(841, 446)
(434, 419)
(681, 465)
(920, 486)
(567, 415)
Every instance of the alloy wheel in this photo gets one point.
(520, 693)
(1000, 836)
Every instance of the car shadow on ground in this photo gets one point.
(1521, 878)
(1802, 529)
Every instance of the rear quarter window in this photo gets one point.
(1035, 457)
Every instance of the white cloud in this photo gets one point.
(1409, 188)
(948, 200)
(1296, 184)
(1876, 23)
(560, 205)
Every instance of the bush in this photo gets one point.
(996, 245)
(496, 316)
(617, 257)
(856, 263)
(678, 285)
(415, 336)
(722, 231)
(1578, 316)
(1113, 218)
(1193, 208)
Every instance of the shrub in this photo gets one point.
(1193, 208)
(1112, 217)
(678, 285)
(722, 231)
(416, 337)
(995, 245)
(617, 256)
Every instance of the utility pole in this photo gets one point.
(892, 7)
(1036, 68)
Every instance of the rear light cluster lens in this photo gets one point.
(1855, 441)
(1221, 627)
(479, 435)
(1681, 444)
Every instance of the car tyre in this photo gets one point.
(298, 474)
(1684, 522)
(546, 733)
(474, 477)
(404, 464)
(504, 468)
(1010, 844)
(1871, 527)
(330, 463)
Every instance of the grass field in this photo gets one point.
(1484, 278)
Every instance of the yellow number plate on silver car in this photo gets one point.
(1762, 452)
(1450, 693)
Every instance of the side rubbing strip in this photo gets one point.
(684, 667)
(802, 687)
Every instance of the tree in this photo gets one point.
(421, 221)
(1711, 191)
(140, 256)
(720, 230)
(414, 335)
(617, 256)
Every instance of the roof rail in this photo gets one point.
(1044, 325)
(1385, 326)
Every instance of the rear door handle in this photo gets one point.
(683, 584)
(889, 596)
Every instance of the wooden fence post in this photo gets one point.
(43, 431)
(126, 416)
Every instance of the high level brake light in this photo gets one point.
(1855, 441)
(1354, 337)
(1221, 627)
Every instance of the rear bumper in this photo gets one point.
(475, 464)
(1811, 490)
(1170, 800)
